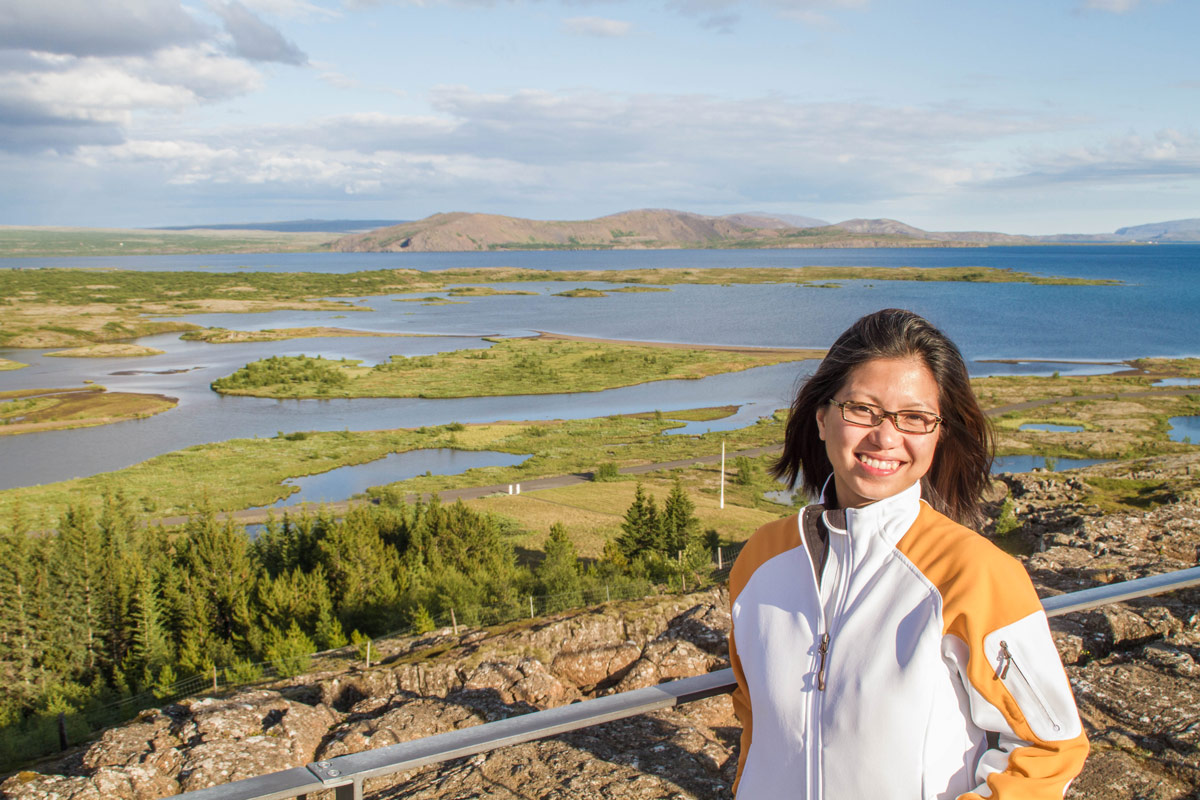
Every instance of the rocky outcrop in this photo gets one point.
(1135, 669)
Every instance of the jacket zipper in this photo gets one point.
(1007, 660)
(823, 650)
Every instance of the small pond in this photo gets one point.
(1048, 426)
(344, 482)
(1184, 429)
(1178, 382)
(1030, 463)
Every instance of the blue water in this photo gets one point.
(1151, 314)
(1030, 463)
(1046, 426)
(1185, 429)
(1178, 382)
(343, 482)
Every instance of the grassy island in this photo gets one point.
(35, 410)
(226, 336)
(7, 364)
(114, 350)
(509, 367)
(75, 307)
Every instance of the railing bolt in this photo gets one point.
(323, 764)
(333, 773)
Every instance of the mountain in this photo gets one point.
(1178, 230)
(645, 228)
(897, 228)
(789, 220)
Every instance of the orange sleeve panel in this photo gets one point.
(983, 591)
(767, 542)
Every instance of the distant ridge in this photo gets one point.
(1178, 230)
(292, 226)
(642, 229)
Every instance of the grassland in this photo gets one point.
(509, 367)
(71, 307)
(244, 473)
(593, 512)
(1123, 416)
(35, 410)
(51, 241)
(227, 336)
(114, 350)
(7, 364)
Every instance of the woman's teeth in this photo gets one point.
(875, 463)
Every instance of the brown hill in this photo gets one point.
(646, 228)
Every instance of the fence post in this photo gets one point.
(531, 606)
(62, 731)
(454, 621)
(607, 596)
(719, 565)
(214, 677)
(368, 653)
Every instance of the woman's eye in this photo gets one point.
(860, 410)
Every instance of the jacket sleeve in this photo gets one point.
(1000, 644)
(741, 707)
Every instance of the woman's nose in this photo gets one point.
(885, 434)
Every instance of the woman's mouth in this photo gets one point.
(879, 466)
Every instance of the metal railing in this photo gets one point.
(346, 774)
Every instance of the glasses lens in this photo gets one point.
(915, 421)
(860, 414)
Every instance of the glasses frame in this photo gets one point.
(880, 414)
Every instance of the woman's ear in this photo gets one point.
(821, 421)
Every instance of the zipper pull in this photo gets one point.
(1005, 661)
(823, 650)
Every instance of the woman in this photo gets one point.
(882, 648)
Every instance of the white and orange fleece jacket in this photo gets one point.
(883, 679)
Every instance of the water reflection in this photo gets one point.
(1185, 429)
(345, 482)
(1049, 463)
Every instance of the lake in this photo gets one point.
(1152, 314)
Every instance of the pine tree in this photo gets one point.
(679, 522)
(641, 529)
(558, 574)
(16, 636)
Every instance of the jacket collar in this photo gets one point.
(889, 518)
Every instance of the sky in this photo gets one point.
(1026, 116)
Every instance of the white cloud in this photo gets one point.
(597, 26)
(97, 27)
(77, 72)
(514, 149)
(1167, 155)
(254, 39)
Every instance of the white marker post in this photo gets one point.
(722, 473)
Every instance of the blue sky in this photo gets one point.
(1026, 117)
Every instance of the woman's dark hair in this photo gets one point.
(963, 457)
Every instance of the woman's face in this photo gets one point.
(870, 464)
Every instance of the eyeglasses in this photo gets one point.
(866, 415)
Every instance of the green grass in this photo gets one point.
(243, 473)
(7, 364)
(1126, 495)
(509, 367)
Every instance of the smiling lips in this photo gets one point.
(877, 465)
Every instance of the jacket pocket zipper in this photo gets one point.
(1007, 660)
